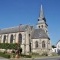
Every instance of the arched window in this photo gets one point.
(20, 38)
(42, 26)
(29, 35)
(39, 26)
(36, 44)
(43, 44)
(4, 39)
(11, 39)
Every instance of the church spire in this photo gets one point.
(42, 21)
(41, 15)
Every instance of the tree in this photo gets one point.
(53, 46)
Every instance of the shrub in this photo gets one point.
(44, 54)
(4, 55)
(53, 46)
(35, 53)
(26, 56)
(8, 46)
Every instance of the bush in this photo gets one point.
(35, 53)
(44, 54)
(8, 46)
(26, 56)
(4, 55)
(53, 46)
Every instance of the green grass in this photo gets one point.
(5, 55)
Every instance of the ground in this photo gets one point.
(41, 58)
(1, 58)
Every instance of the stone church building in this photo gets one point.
(31, 39)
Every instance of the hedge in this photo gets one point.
(8, 46)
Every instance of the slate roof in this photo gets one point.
(36, 33)
(39, 33)
(13, 29)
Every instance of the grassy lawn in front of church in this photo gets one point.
(36, 55)
(45, 56)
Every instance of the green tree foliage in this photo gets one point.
(8, 46)
(53, 46)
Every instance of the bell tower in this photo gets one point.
(42, 21)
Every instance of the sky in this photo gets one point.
(16, 12)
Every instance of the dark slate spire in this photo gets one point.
(41, 14)
(41, 20)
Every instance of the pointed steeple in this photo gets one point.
(41, 12)
(42, 21)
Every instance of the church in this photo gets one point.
(32, 39)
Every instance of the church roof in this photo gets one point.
(14, 29)
(39, 33)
